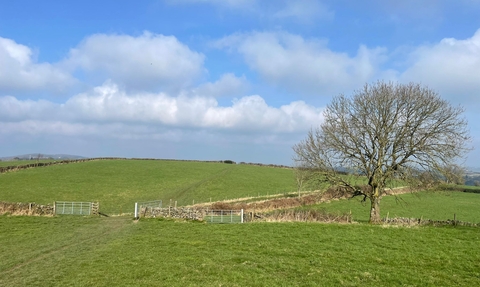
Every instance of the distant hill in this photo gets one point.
(31, 156)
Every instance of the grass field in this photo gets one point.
(118, 184)
(77, 251)
(116, 251)
(440, 205)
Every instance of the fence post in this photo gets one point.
(241, 215)
(54, 211)
(136, 210)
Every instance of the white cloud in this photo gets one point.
(308, 66)
(20, 72)
(109, 106)
(149, 61)
(227, 86)
(451, 66)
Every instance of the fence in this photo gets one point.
(76, 208)
(224, 216)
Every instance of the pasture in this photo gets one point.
(438, 205)
(91, 251)
(118, 184)
(117, 251)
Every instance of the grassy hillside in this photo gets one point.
(441, 205)
(117, 184)
(73, 251)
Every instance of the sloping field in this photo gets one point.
(439, 205)
(118, 184)
(73, 251)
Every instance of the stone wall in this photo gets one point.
(419, 221)
(41, 164)
(20, 208)
(177, 213)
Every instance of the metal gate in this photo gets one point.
(224, 216)
(76, 208)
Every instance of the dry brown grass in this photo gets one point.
(332, 193)
(306, 216)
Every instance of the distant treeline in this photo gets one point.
(41, 164)
(267, 165)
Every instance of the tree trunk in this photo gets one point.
(375, 209)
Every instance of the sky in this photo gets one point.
(243, 80)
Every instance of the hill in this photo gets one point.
(118, 184)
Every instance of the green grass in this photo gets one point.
(118, 184)
(441, 205)
(77, 251)
(116, 251)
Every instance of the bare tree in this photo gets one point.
(454, 173)
(302, 175)
(38, 158)
(385, 132)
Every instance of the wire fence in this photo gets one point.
(151, 204)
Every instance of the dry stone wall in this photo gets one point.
(419, 221)
(177, 213)
(21, 208)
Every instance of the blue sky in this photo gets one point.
(210, 79)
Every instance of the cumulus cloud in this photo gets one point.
(227, 86)
(308, 66)
(20, 72)
(451, 66)
(110, 106)
(147, 62)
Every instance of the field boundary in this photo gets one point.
(13, 168)
(30, 208)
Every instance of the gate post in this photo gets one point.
(241, 215)
(136, 210)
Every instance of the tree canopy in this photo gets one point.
(385, 132)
